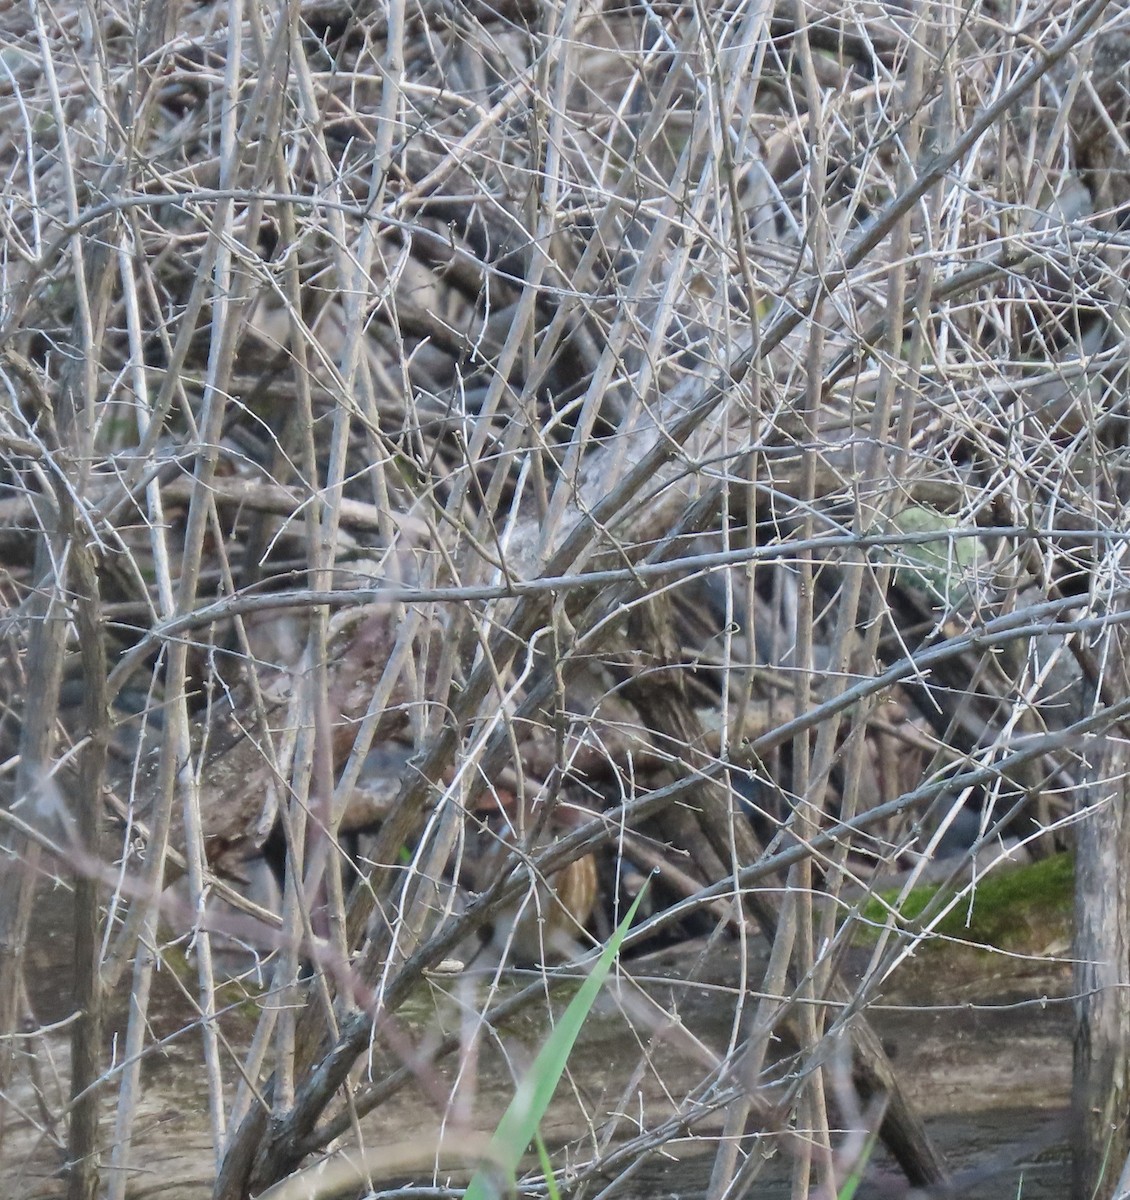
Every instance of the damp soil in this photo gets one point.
(982, 1044)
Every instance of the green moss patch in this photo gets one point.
(1024, 910)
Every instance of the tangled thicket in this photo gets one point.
(555, 442)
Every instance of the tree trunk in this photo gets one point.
(1101, 1096)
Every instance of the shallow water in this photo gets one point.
(1002, 1154)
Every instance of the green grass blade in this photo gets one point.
(520, 1122)
(546, 1167)
(855, 1177)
